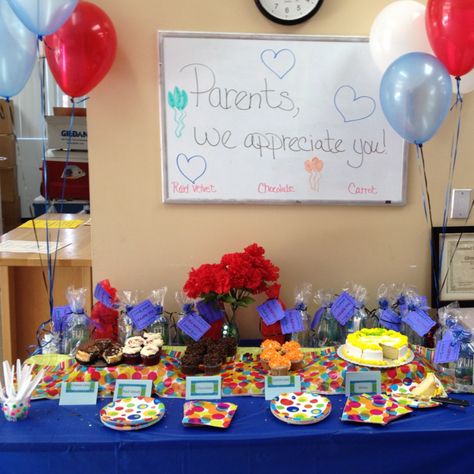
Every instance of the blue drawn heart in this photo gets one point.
(279, 62)
(191, 168)
(352, 107)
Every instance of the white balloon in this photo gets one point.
(397, 30)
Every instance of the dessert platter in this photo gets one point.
(376, 347)
(144, 350)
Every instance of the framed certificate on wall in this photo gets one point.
(453, 265)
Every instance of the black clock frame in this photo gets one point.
(288, 22)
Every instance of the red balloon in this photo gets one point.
(450, 28)
(82, 51)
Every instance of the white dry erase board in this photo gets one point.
(275, 119)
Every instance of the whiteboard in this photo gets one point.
(275, 119)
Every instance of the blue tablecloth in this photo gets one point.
(56, 439)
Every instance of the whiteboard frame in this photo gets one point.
(162, 34)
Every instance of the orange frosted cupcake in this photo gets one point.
(296, 358)
(265, 357)
(279, 365)
(270, 344)
(291, 346)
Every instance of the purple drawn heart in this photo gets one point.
(191, 168)
(352, 107)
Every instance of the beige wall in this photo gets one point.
(138, 242)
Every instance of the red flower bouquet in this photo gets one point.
(237, 276)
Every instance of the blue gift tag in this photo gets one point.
(446, 351)
(419, 321)
(210, 311)
(343, 308)
(292, 322)
(143, 314)
(271, 311)
(317, 317)
(389, 319)
(101, 295)
(193, 325)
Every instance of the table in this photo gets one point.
(24, 301)
(56, 439)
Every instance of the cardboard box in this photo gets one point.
(7, 122)
(8, 184)
(11, 214)
(8, 151)
(76, 172)
(58, 132)
(67, 111)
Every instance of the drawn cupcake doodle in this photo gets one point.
(178, 100)
(314, 167)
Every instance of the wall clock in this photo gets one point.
(289, 12)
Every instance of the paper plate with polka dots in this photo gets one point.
(130, 427)
(132, 411)
(300, 408)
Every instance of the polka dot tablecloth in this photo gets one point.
(323, 372)
(300, 408)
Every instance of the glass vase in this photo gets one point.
(230, 328)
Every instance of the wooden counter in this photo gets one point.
(24, 300)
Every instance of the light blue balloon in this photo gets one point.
(415, 94)
(17, 52)
(43, 17)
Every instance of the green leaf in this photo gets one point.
(184, 100)
(171, 101)
(246, 300)
(228, 299)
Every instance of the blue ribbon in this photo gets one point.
(318, 314)
(460, 336)
(158, 309)
(301, 306)
(129, 307)
(188, 308)
(384, 303)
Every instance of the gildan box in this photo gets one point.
(7, 151)
(59, 132)
(76, 174)
(7, 123)
(8, 184)
(11, 214)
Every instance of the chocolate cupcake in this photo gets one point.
(190, 364)
(113, 354)
(150, 355)
(102, 344)
(197, 347)
(88, 352)
(231, 346)
(135, 341)
(212, 363)
(131, 355)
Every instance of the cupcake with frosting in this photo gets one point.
(150, 355)
(270, 344)
(290, 346)
(265, 357)
(296, 358)
(279, 365)
(131, 355)
(135, 341)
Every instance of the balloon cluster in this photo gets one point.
(80, 43)
(418, 48)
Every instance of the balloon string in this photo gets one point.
(449, 187)
(42, 72)
(427, 207)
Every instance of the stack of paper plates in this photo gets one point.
(133, 413)
(300, 408)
